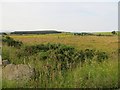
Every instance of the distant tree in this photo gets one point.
(113, 32)
(4, 33)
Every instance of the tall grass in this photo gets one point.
(94, 75)
(49, 74)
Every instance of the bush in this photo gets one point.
(65, 55)
(79, 56)
(43, 55)
(89, 53)
(11, 42)
(101, 56)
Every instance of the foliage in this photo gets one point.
(101, 56)
(96, 75)
(11, 42)
(83, 34)
(66, 56)
(113, 32)
(65, 65)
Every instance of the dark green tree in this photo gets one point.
(113, 32)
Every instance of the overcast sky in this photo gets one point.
(64, 16)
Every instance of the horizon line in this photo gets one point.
(53, 30)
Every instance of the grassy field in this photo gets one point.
(90, 74)
(107, 43)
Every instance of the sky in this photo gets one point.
(61, 16)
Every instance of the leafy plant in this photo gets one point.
(101, 56)
(11, 42)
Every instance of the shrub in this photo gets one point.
(101, 56)
(43, 55)
(79, 56)
(113, 32)
(89, 53)
(65, 55)
(11, 42)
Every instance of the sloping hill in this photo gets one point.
(35, 32)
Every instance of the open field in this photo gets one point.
(107, 43)
(92, 73)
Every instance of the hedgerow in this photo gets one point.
(11, 42)
(67, 56)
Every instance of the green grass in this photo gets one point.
(105, 33)
(87, 75)
(102, 75)
(96, 75)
